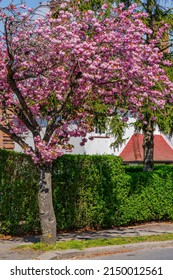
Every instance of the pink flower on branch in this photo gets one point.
(52, 71)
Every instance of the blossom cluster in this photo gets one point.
(53, 68)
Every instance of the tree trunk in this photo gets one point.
(148, 146)
(46, 210)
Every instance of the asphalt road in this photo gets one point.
(133, 251)
(144, 254)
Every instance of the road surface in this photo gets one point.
(144, 254)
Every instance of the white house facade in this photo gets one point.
(101, 143)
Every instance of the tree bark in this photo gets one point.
(46, 210)
(148, 146)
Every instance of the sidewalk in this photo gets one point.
(7, 246)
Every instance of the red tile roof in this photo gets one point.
(133, 151)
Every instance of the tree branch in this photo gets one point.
(52, 125)
(15, 138)
(15, 89)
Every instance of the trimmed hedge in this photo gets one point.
(150, 197)
(85, 190)
(18, 189)
(88, 191)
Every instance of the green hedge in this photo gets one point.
(150, 196)
(85, 190)
(18, 199)
(88, 191)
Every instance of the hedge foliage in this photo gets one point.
(18, 194)
(88, 191)
(150, 196)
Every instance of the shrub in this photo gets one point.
(85, 190)
(88, 192)
(18, 199)
(150, 197)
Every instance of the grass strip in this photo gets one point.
(83, 244)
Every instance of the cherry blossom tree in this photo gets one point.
(54, 70)
(159, 20)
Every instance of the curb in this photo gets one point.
(95, 251)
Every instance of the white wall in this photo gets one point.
(101, 143)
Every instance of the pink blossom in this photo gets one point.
(23, 6)
(104, 6)
(24, 15)
(63, 5)
(30, 9)
(63, 66)
(154, 118)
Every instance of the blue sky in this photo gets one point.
(29, 3)
(34, 3)
(166, 3)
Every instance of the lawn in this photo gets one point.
(83, 244)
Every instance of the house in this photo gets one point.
(6, 142)
(133, 151)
